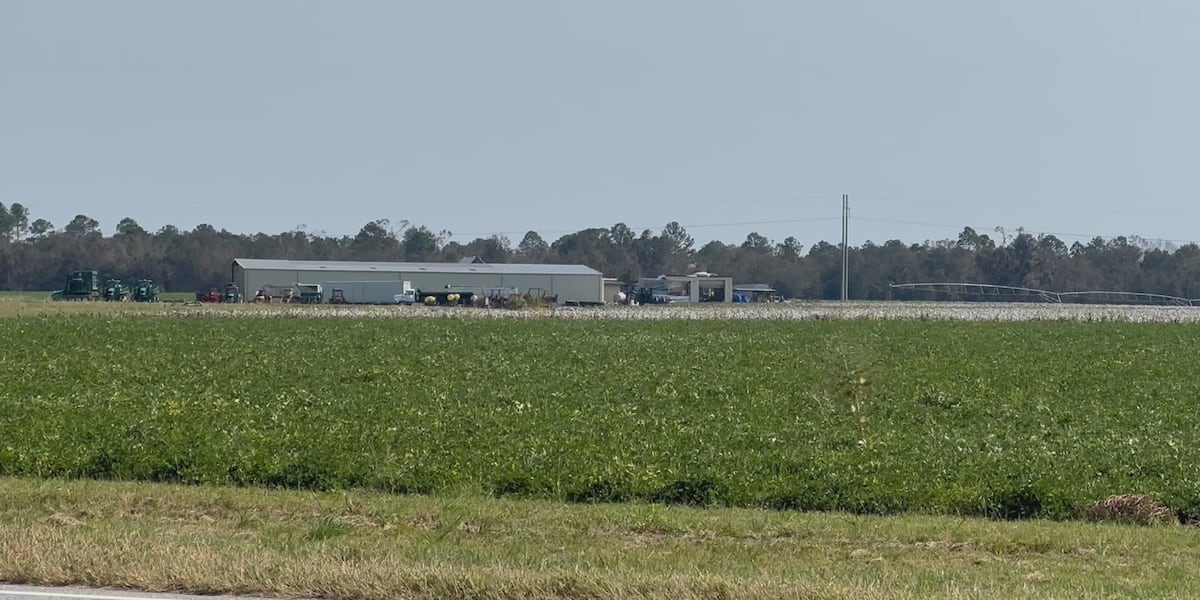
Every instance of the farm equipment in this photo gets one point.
(81, 286)
(660, 290)
(85, 286)
(296, 293)
(210, 297)
(649, 295)
(444, 298)
(269, 293)
(371, 292)
(145, 291)
(310, 293)
(231, 293)
(486, 296)
(115, 291)
(538, 297)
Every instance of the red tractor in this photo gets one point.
(232, 293)
(213, 295)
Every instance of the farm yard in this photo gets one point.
(883, 450)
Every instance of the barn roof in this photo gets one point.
(262, 264)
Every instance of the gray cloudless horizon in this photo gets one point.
(1067, 117)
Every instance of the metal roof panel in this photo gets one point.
(413, 267)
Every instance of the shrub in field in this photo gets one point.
(600, 491)
(1018, 503)
(691, 492)
(801, 500)
(521, 486)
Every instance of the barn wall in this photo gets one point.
(252, 280)
(611, 289)
(568, 288)
(439, 281)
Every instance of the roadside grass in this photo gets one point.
(363, 545)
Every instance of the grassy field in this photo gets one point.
(1006, 420)
(9, 297)
(375, 546)
(28, 297)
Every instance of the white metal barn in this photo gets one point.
(571, 283)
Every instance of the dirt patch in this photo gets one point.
(425, 523)
(60, 519)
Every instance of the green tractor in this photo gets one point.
(81, 286)
(115, 291)
(145, 291)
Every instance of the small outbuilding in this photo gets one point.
(571, 284)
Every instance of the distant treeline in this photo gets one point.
(36, 255)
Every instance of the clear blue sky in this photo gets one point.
(1076, 117)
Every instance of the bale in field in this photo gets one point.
(1136, 509)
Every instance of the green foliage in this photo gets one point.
(1005, 420)
(35, 255)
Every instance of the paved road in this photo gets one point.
(28, 592)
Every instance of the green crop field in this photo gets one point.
(998, 419)
(24, 296)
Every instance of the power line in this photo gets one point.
(640, 203)
(1042, 207)
(1061, 234)
(692, 226)
(902, 222)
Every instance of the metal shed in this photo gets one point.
(571, 283)
(755, 292)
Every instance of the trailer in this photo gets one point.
(292, 293)
(485, 295)
(371, 292)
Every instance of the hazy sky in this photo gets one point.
(1072, 117)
